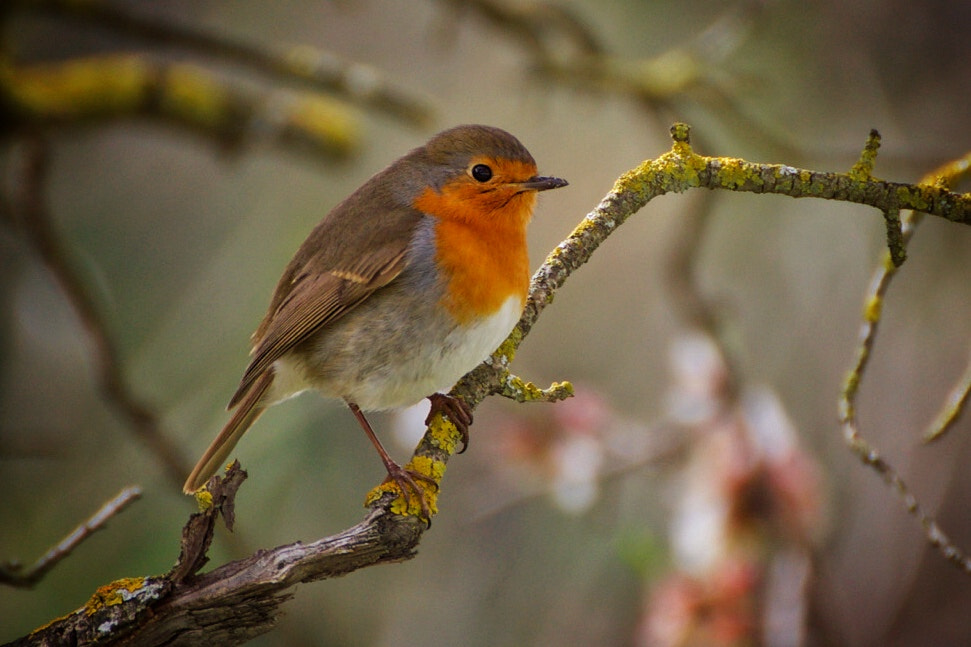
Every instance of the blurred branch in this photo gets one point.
(566, 50)
(957, 400)
(13, 573)
(35, 223)
(685, 293)
(126, 85)
(939, 179)
(954, 406)
(550, 31)
(681, 259)
(241, 599)
(673, 73)
(357, 83)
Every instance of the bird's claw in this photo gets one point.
(407, 481)
(457, 410)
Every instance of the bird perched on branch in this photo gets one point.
(401, 289)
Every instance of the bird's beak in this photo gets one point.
(539, 183)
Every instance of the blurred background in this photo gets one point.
(696, 491)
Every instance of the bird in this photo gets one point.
(403, 287)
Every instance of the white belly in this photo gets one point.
(438, 366)
(431, 363)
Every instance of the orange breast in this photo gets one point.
(481, 246)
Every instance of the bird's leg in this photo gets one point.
(457, 410)
(404, 479)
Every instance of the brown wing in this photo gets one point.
(360, 246)
(314, 298)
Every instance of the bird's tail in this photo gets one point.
(245, 414)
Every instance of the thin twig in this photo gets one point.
(954, 406)
(873, 308)
(14, 574)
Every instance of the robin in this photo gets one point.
(404, 287)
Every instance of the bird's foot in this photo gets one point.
(407, 481)
(457, 410)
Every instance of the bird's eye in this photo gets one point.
(481, 173)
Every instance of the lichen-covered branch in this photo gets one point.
(181, 603)
(517, 389)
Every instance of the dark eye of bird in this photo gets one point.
(481, 173)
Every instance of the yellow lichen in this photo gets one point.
(191, 92)
(377, 492)
(203, 498)
(563, 389)
(888, 264)
(51, 622)
(913, 198)
(408, 503)
(863, 169)
(734, 173)
(872, 309)
(523, 390)
(583, 227)
(508, 348)
(328, 121)
(633, 181)
(851, 384)
(682, 165)
(427, 466)
(444, 434)
(112, 594)
(520, 390)
(79, 87)
(681, 132)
